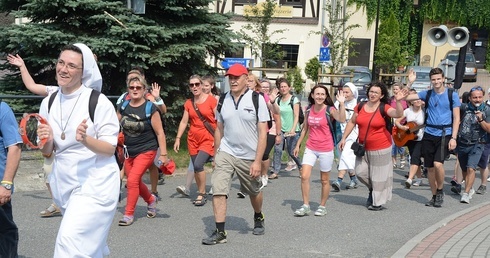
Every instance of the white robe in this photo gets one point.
(84, 185)
(348, 158)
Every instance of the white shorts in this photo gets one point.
(326, 159)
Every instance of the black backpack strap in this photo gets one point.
(291, 102)
(51, 99)
(427, 98)
(255, 101)
(220, 101)
(359, 107)
(92, 103)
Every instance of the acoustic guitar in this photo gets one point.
(401, 137)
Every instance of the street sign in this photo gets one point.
(324, 54)
(228, 61)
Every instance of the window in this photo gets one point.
(242, 2)
(287, 54)
(237, 52)
(300, 3)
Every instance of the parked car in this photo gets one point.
(470, 71)
(422, 81)
(362, 77)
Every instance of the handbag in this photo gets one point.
(204, 121)
(358, 147)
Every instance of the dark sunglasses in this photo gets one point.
(476, 88)
(135, 87)
(192, 85)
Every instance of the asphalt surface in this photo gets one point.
(348, 230)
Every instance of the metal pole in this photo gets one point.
(373, 72)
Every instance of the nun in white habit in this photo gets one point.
(347, 158)
(85, 176)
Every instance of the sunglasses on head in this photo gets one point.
(135, 87)
(476, 88)
(192, 85)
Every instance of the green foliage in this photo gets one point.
(295, 79)
(339, 34)
(311, 69)
(257, 35)
(388, 55)
(171, 42)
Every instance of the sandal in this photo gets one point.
(200, 202)
(273, 176)
(51, 211)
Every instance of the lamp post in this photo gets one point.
(373, 72)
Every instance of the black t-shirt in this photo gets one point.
(139, 136)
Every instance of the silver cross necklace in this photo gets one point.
(63, 128)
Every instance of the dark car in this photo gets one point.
(362, 77)
(470, 71)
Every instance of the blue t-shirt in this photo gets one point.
(438, 110)
(9, 131)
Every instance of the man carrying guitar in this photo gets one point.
(410, 135)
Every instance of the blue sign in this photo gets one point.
(324, 54)
(228, 61)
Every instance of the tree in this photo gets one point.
(338, 32)
(388, 56)
(311, 69)
(257, 35)
(171, 41)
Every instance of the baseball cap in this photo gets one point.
(237, 70)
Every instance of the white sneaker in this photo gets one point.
(182, 190)
(417, 182)
(471, 193)
(488, 179)
(465, 198)
(408, 183)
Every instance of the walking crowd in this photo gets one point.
(236, 131)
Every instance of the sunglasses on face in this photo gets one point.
(192, 85)
(135, 87)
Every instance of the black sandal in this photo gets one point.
(202, 201)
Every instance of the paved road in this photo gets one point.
(348, 230)
(405, 228)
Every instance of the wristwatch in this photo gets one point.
(158, 99)
(7, 186)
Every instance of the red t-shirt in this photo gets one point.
(378, 137)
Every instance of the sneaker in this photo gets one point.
(291, 167)
(51, 211)
(241, 195)
(152, 208)
(321, 211)
(471, 193)
(215, 238)
(126, 220)
(465, 198)
(453, 181)
(431, 202)
(259, 227)
(456, 189)
(488, 179)
(336, 186)
(352, 185)
(304, 210)
(417, 182)
(439, 199)
(182, 190)
(482, 189)
(156, 195)
(408, 183)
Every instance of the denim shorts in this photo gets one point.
(469, 155)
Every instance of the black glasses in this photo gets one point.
(135, 87)
(192, 85)
(476, 88)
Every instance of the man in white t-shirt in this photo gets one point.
(240, 141)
